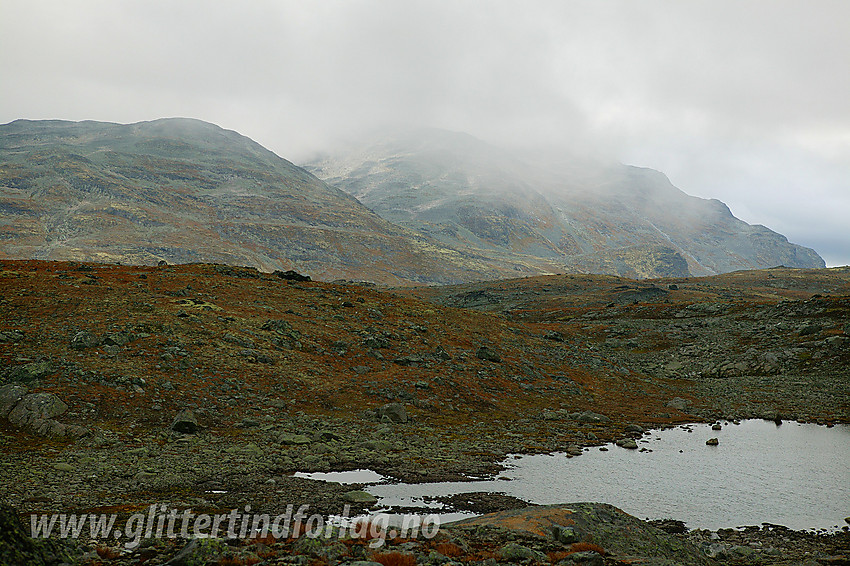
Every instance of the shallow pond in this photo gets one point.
(793, 475)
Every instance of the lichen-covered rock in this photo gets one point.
(623, 536)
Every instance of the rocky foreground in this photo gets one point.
(208, 386)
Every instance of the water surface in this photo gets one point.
(793, 475)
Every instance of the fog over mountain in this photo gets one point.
(588, 215)
(746, 102)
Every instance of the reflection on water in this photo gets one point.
(793, 475)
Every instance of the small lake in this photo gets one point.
(794, 475)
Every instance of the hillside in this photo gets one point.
(207, 386)
(584, 216)
(184, 191)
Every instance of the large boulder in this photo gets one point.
(393, 412)
(185, 422)
(10, 394)
(36, 406)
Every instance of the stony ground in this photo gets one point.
(273, 375)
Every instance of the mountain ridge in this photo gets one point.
(183, 190)
(587, 215)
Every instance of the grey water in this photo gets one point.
(797, 475)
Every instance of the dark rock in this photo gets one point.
(485, 353)
(635, 428)
(291, 275)
(185, 422)
(712, 442)
(627, 443)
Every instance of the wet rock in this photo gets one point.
(712, 442)
(627, 443)
(485, 353)
(185, 422)
(716, 426)
(635, 428)
(574, 450)
(392, 412)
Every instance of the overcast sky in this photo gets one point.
(745, 101)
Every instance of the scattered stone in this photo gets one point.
(635, 428)
(716, 426)
(63, 467)
(712, 442)
(627, 443)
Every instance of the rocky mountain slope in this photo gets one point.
(187, 191)
(584, 216)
